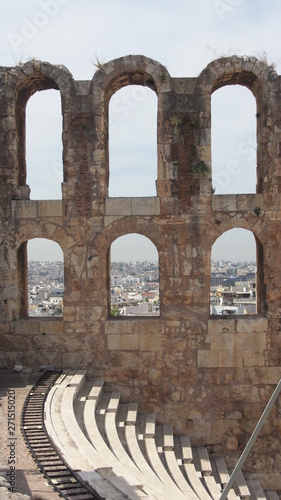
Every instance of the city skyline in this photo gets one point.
(134, 288)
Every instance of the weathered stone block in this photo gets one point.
(150, 342)
(25, 209)
(224, 341)
(230, 358)
(224, 202)
(146, 206)
(273, 375)
(252, 340)
(146, 326)
(50, 208)
(222, 325)
(68, 190)
(53, 327)
(69, 313)
(118, 206)
(253, 358)
(208, 359)
(108, 220)
(118, 327)
(252, 375)
(252, 325)
(248, 202)
(28, 327)
(123, 342)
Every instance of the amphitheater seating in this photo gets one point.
(125, 455)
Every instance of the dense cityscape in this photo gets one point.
(45, 288)
(135, 288)
(233, 287)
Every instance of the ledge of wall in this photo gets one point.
(234, 202)
(132, 206)
(135, 335)
(29, 209)
(33, 326)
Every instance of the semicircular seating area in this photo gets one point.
(125, 455)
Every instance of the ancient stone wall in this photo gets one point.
(211, 377)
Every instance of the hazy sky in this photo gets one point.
(184, 35)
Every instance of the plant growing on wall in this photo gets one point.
(99, 63)
(176, 122)
(200, 169)
(183, 125)
(115, 311)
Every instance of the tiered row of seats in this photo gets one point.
(125, 455)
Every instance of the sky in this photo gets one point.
(183, 35)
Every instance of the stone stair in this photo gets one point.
(125, 455)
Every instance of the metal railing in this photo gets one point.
(251, 441)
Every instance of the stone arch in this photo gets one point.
(255, 75)
(111, 77)
(141, 296)
(121, 228)
(23, 81)
(42, 229)
(130, 70)
(247, 71)
(26, 233)
(23, 76)
(130, 225)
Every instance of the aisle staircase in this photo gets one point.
(125, 455)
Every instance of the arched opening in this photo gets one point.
(133, 142)
(45, 288)
(134, 277)
(234, 141)
(44, 145)
(236, 274)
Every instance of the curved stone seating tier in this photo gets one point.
(125, 455)
(62, 426)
